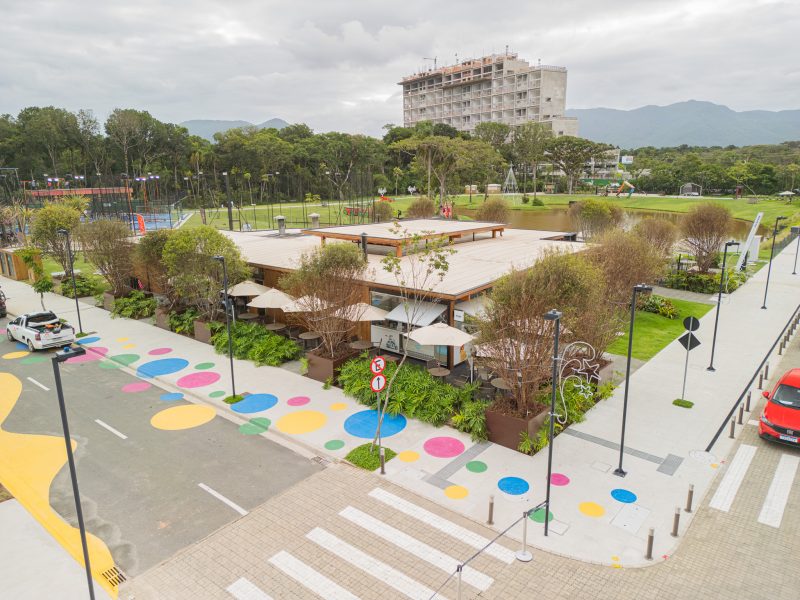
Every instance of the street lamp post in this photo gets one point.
(227, 319)
(719, 302)
(619, 471)
(771, 253)
(65, 233)
(61, 356)
(554, 316)
(796, 231)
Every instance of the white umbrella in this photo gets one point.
(786, 193)
(366, 312)
(440, 334)
(247, 288)
(273, 298)
(303, 304)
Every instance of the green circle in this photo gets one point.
(217, 394)
(33, 360)
(538, 516)
(334, 445)
(120, 360)
(261, 422)
(204, 366)
(255, 426)
(476, 466)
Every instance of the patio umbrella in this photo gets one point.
(303, 304)
(247, 288)
(786, 193)
(274, 298)
(366, 312)
(440, 334)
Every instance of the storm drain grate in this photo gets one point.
(114, 576)
(321, 461)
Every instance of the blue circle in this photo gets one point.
(162, 366)
(21, 346)
(171, 396)
(513, 485)
(364, 424)
(88, 340)
(254, 403)
(625, 496)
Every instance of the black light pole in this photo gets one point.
(227, 319)
(65, 233)
(554, 316)
(619, 471)
(61, 356)
(719, 302)
(771, 253)
(796, 231)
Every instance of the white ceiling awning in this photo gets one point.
(475, 307)
(419, 313)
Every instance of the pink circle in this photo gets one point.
(2, 330)
(298, 401)
(559, 479)
(137, 386)
(199, 379)
(443, 447)
(157, 351)
(92, 354)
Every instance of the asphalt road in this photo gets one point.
(142, 495)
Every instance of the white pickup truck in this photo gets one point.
(40, 330)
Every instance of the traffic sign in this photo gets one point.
(377, 365)
(688, 340)
(378, 383)
(691, 324)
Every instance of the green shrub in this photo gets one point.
(658, 305)
(537, 202)
(233, 399)
(471, 419)
(683, 403)
(86, 285)
(135, 305)
(525, 198)
(703, 283)
(183, 322)
(252, 342)
(367, 457)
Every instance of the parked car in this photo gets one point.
(40, 330)
(780, 420)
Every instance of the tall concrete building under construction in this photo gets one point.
(500, 87)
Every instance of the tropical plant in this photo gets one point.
(183, 322)
(85, 285)
(471, 419)
(136, 305)
(658, 305)
(252, 342)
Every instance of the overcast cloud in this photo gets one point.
(335, 64)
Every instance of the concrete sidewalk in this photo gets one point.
(599, 517)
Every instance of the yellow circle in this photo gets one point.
(714, 465)
(338, 406)
(128, 346)
(617, 566)
(591, 509)
(408, 456)
(456, 492)
(18, 354)
(182, 417)
(615, 558)
(122, 339)
(302, 421)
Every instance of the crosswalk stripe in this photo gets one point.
(778, 494)
(462, 534)
(372, 566)
(726, 492)
(308, 577)
(413, 546)
(244, 589)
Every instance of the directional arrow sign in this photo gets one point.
(691, 324)
(688, 340)
(377, 365)
(378, 383)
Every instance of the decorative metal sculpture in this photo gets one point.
(578, 365)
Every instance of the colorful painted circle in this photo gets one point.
(182, 417)
(538, 515)
(171, 396)
(456, 492)
(591, 509)
(218, 394)
(254, 403)
(163, 366)
(122, 339)
(338, 406)
(204, 366)
(408, 456)
(622, 495)
(476, 466)
(443, 447)
(559, 479)
(334, 445)
(302, 421)
(158, 351)
(136, 386)
(17, 354)
(119, 360)
(88, 340)
(515, 486)
(364, 424)
(298, 401)
(92, 355)
(255, 426)
(128, 346)
(199, 379)
(33, 360)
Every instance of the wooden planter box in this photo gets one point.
(202, 333)
(162, 318)
(322, 369)
(505, 430)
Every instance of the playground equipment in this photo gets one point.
(690, 189)
(510, 184)
(626, 185)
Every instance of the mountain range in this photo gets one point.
(206, 128)
(694, 123)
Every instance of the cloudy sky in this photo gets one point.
(334, 64)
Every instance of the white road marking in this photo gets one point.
(34, 382)
(726, 492)
(111, 429)
(244, 589)
(371, 566)
(308, 577)
(778, 494)
(222, 498)
(413, 546)
(462, 534)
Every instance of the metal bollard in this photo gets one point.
(650, 535)
(689, 498)
(747, 403)
(741, 414)
(676, 521)
(733, 428)
(383, 462)
(766, 372)
(459, 568)
(523, 555)
(490, 520)
(761, 381)
(780, 349)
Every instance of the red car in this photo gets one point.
(780, 420)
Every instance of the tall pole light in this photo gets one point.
(771, 253)
(227, 319)
(796, 231)
(719, 301)
(65, 233)
(554, 316)
(637, 289)
(59, 357)
(230, 203)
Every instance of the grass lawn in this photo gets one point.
(51, 266)
(653, 332)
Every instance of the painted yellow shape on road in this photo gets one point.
(302, 421)
(182, 417)
(28, 464)
(13, 355)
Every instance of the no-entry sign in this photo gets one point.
(377, 365)
(378, 383)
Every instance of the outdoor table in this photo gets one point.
(500, 384)
(275, 326)
(308, 336)
(248, 316)
(439, 372)
(361, 345)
